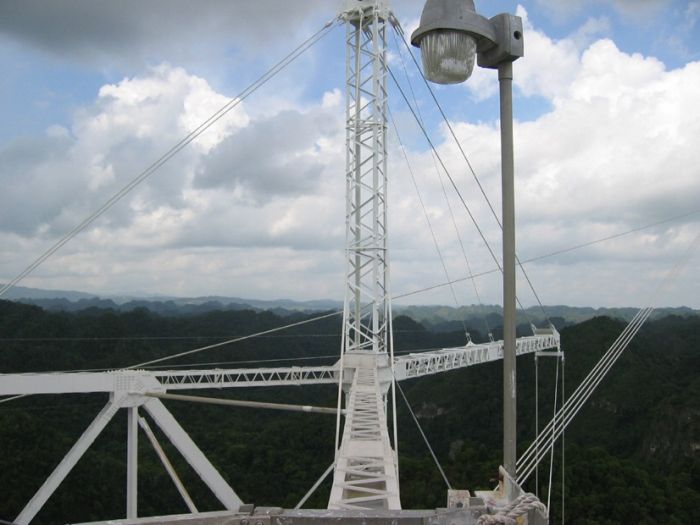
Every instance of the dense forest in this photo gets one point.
(631, 454)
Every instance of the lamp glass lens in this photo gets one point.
(448, 56)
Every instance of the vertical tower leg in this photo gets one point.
(132, 463)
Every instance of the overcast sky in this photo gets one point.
(607, 140)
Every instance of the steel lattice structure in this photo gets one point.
(366, 293)
(365, 478)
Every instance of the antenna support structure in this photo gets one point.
(366, 472)
(365, 483)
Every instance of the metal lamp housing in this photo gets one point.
(446, 23)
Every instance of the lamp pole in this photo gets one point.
(505, 79)
(450, 35)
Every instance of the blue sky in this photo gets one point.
(92, 92)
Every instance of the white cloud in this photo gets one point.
(549, 65)
(256, 207)
(107, 33)
(56, 180)
(639, 8)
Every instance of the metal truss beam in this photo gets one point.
(427, 363)
(365, 475)
(139, 381)
(142, 381)
(247, 377)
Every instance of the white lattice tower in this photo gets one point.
(366, 467)
(366, 295)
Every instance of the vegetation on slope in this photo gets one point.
(631, 453)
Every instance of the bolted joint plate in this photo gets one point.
(358, 9)
(509, 42)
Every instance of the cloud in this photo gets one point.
(282, 154)
(642, 8)
(548, 66)
(56, 180)
(614, 152)
(257, 206)
(103, 32)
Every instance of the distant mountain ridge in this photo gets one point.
(437, 317)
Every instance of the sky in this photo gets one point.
(607, 121)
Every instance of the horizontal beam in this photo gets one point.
(246, 404)
(247, 377)
(74, 383)
(141, 381)
(427, 363)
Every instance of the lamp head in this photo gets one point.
(451, 34)
(448, 48)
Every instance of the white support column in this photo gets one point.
(132, 463)
(189, 450)
(66, 464)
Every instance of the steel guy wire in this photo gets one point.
(442, 185)
(590, 377)
(415, 292)
(586, 388)
(464, 155)
(557, 252)
(427, 220)
(454, 185)
(432, 287)
(231, 104)
(420, 429)
(564, 416)
(236, 340)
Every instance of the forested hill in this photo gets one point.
(632, 453)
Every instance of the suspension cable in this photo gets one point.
(551, 457)
(231, 104)
(454, 185)
(574, 403)
(563, 443)
(529, 459)
(6, 399)
(556, 252)
(427, 220)
(236, 340)
(420, 429)
(442, 186)
(464, 155)
(537, 421)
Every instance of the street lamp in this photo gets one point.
(450, 35)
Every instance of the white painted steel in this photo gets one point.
(366, 293)
(140, 381)
(247, 377)
(194, 456)
(365, 472)
(66, 464)
(426, 363)
(132, 432)
(365, 475)
(167, 465)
